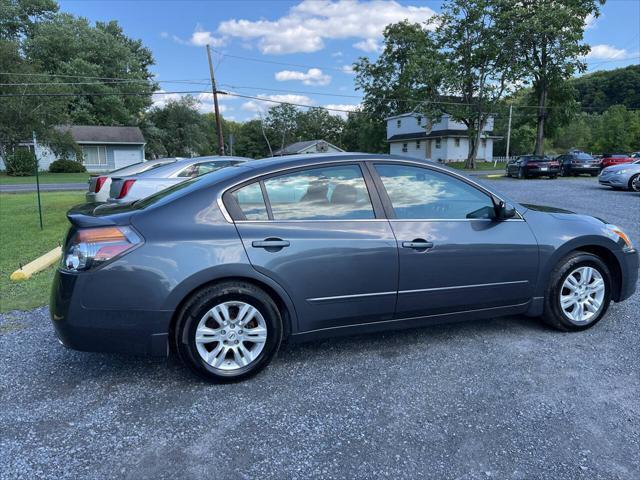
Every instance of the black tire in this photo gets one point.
(553, 314)
(634, 182)
(594, 174)
(564, 172)
(205, 299)
(553, 177)
(521, 174)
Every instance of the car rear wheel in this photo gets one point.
(634, 183)
(521, 174)
(228, 332)
(578, 294)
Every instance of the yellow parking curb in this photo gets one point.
(37, 265)
(495, 176)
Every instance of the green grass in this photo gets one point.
(21, 241)
(45, 177)
(479, 165)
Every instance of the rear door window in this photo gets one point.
(326, 193)
(251, 202)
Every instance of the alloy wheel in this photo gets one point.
(231, 335)
(582, 295)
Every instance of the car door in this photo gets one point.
(320, 233)
(453, 255)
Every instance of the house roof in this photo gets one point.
(100, 134)
(298, 147)
(435, 134)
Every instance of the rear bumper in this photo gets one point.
(584, 169)
(536, 172)
(139, 332)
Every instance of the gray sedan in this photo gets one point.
(625, 176)
(222, 268)
(127, 188)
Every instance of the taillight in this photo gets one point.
(554, 164)
(99, 182)
(92, 247)
(126, 186)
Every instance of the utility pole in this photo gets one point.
(508, 134)
(215, 104)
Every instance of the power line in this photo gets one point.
(273, 62)
(99, 94)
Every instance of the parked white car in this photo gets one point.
(133, 187)
(99, 185)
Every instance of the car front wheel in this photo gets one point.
(228, 332)
(521, 174)
(578, 294)
(634, 183)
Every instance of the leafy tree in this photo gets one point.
(67, 45)
(618, 131)
(317, 124)
(281, 122)
(183, 127)
(250, 141)
(549, 37)
(405, 73)
(364, 133)
(598, 91)
(18, 17)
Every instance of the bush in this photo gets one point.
(21, 163)
(66, 166)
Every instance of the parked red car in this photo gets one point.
(610, 159)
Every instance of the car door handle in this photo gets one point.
(275, 243)
(418, 245)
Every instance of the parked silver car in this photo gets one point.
(99, 185)
(133, 187)
(625, 176)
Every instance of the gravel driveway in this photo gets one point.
(505, 398)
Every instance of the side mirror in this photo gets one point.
(506, 211)
(503, 210)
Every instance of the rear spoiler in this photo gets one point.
(90, 215)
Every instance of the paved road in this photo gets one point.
(504, 398)
(44, 187)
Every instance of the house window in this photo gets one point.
(418, 144)
(457, 142)
(419, 119)
(94, 155)
(484, 142)
(405, 147)
(398, 123)
(438, 143)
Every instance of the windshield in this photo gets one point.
(583, 156)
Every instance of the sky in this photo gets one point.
(298, 51)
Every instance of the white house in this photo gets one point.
(444, 140)
(103, 148)
(310, 146)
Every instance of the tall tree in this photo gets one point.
(281, 123)
(549, 37)
(183, 127)
(319, 124)
(91, 56)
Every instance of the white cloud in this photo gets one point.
(606, 52)
(199, 38)
(341, 106)
(160, 98)
(348, 69)
(368, 45)
(313, 76)
(337, 54)
(260, 106)
(307, 25)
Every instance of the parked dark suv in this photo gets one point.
(223, 267)
(576, 163)
(526, 166)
